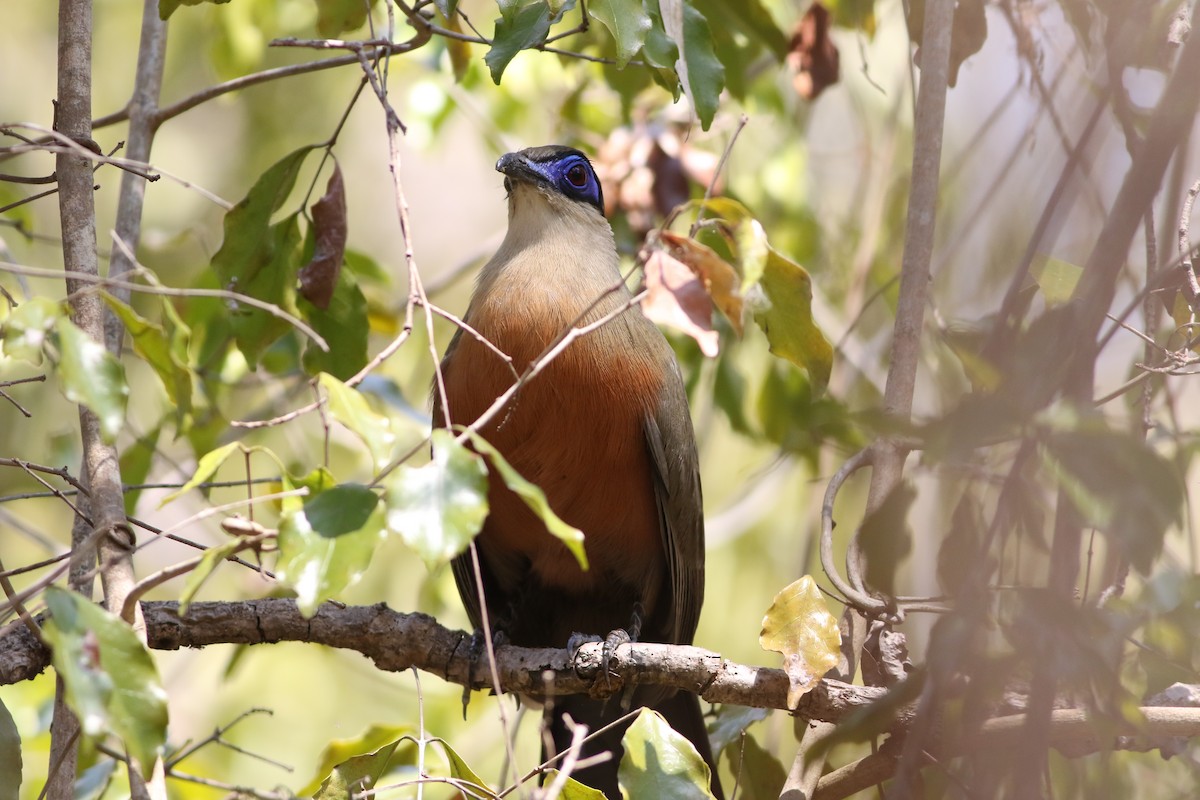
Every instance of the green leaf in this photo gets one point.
(788, 321)
(627, 21)
(319, 563)
(438, 508)
(753, 18)
(208, 464)
(659, 762)
(136, 461)
(349, 407)
(167, 7)
(150, 341)
(344, 325)
(660, 52)
(534, 497)
(260, 259)
(10, 756)
(374, 740)
(522, 24)
(573, 789)
(112, 684)
(335, 17)
(700, 71)
(25, 329)
(1056, 279)
(1122, 487)
(208, 562)
(461, 770)
(859, 14)
(761, 776)
(341, 510)
(730, 723)
(92, 376)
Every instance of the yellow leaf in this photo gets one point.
(799, 626)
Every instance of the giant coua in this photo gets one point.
(604, 430)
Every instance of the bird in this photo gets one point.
(605, 431)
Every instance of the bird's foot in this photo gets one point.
(477, 652)
(578, 640)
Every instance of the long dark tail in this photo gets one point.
(681, 711)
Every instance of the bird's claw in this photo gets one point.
(476, 650)
(578, 640)
(611, 642)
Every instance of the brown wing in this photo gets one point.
(672, 445)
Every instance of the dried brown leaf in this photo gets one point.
(319, 276)
(675, 297)
(813, 54)
(719, 278)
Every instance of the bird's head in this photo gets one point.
(554, 171)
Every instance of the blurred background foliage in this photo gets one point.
(825, 172)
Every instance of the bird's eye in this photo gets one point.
(577, 176)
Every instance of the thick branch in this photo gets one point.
(397, 642)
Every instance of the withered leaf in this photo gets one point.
(319, 276)
(719, 278)
(675, 297)
(813, 54)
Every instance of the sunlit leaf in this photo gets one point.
(788, 321)
(349, 407)
(25, 329)
(335, 17)
(459, 51)
(659, 762)
(319, 562)
(339, 751)
(112, 684)
(92, 376)
(798, 625)
(206, 467)
(10, 756)
(438, 508)
(627, 21)
(1057, 279)
(459, 768)
(151, 342)
(208, 562)
(854, 14)
(573, 789)
(535, 498)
